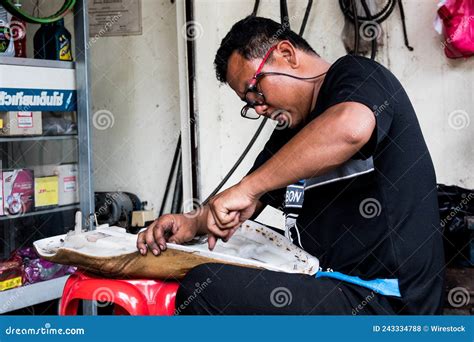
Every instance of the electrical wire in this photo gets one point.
(370, 20)
(237, 163)
(306, 16)
(176, 156)
(349, 10)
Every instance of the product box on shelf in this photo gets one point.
(10, 274)
(46, 191)
(18, 191)
(21, 123)
(68, 192)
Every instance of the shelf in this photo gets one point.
(28, 295)
(42, 63)
(41, 212)
(38, 138)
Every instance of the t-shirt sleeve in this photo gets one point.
(362, 80)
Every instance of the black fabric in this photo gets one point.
(218, 289)
(377, 215)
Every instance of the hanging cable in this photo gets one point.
(255, 8)
(306, 16)
(284, 17)
(356, 28)
(370, 20)
(405, 34)
(237, 163)
(349, 10)
(177, 153)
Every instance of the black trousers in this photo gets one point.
(219, 289)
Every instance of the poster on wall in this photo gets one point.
(115, 18)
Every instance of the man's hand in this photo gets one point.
(176, 228)
(228, 210)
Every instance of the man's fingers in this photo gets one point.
(232, 223)
(218, 223)
(211, 241)
(222, 215)
(141, 243)
(159, 235)
(213, 227)
(150, 239)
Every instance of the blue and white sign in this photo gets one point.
(37, 88)
(16, 99)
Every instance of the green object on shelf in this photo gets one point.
(9, 5)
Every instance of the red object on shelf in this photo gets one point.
(458, 22)
(143, 297)
(18, 33)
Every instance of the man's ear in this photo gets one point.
(289, 53)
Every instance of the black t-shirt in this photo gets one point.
(376, 216)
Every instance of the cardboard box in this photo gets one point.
(68, 189)
(21, 123)
(139, 218)
(46, 191)
(18, 191)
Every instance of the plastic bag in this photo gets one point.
(456, 206)
(457, 17)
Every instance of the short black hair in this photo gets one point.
(252, 37)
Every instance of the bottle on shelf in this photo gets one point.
(53, 41)
(18, 33)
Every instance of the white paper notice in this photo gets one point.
(115, 18)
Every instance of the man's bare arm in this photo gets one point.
(323, 144)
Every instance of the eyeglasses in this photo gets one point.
(253, 97)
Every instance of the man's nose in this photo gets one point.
(261, 109)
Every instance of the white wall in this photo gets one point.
(135, 78)
(436, 85)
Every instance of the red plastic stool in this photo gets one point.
(130, 296)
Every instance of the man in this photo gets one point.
(349, 142)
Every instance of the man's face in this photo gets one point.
(286, 100)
